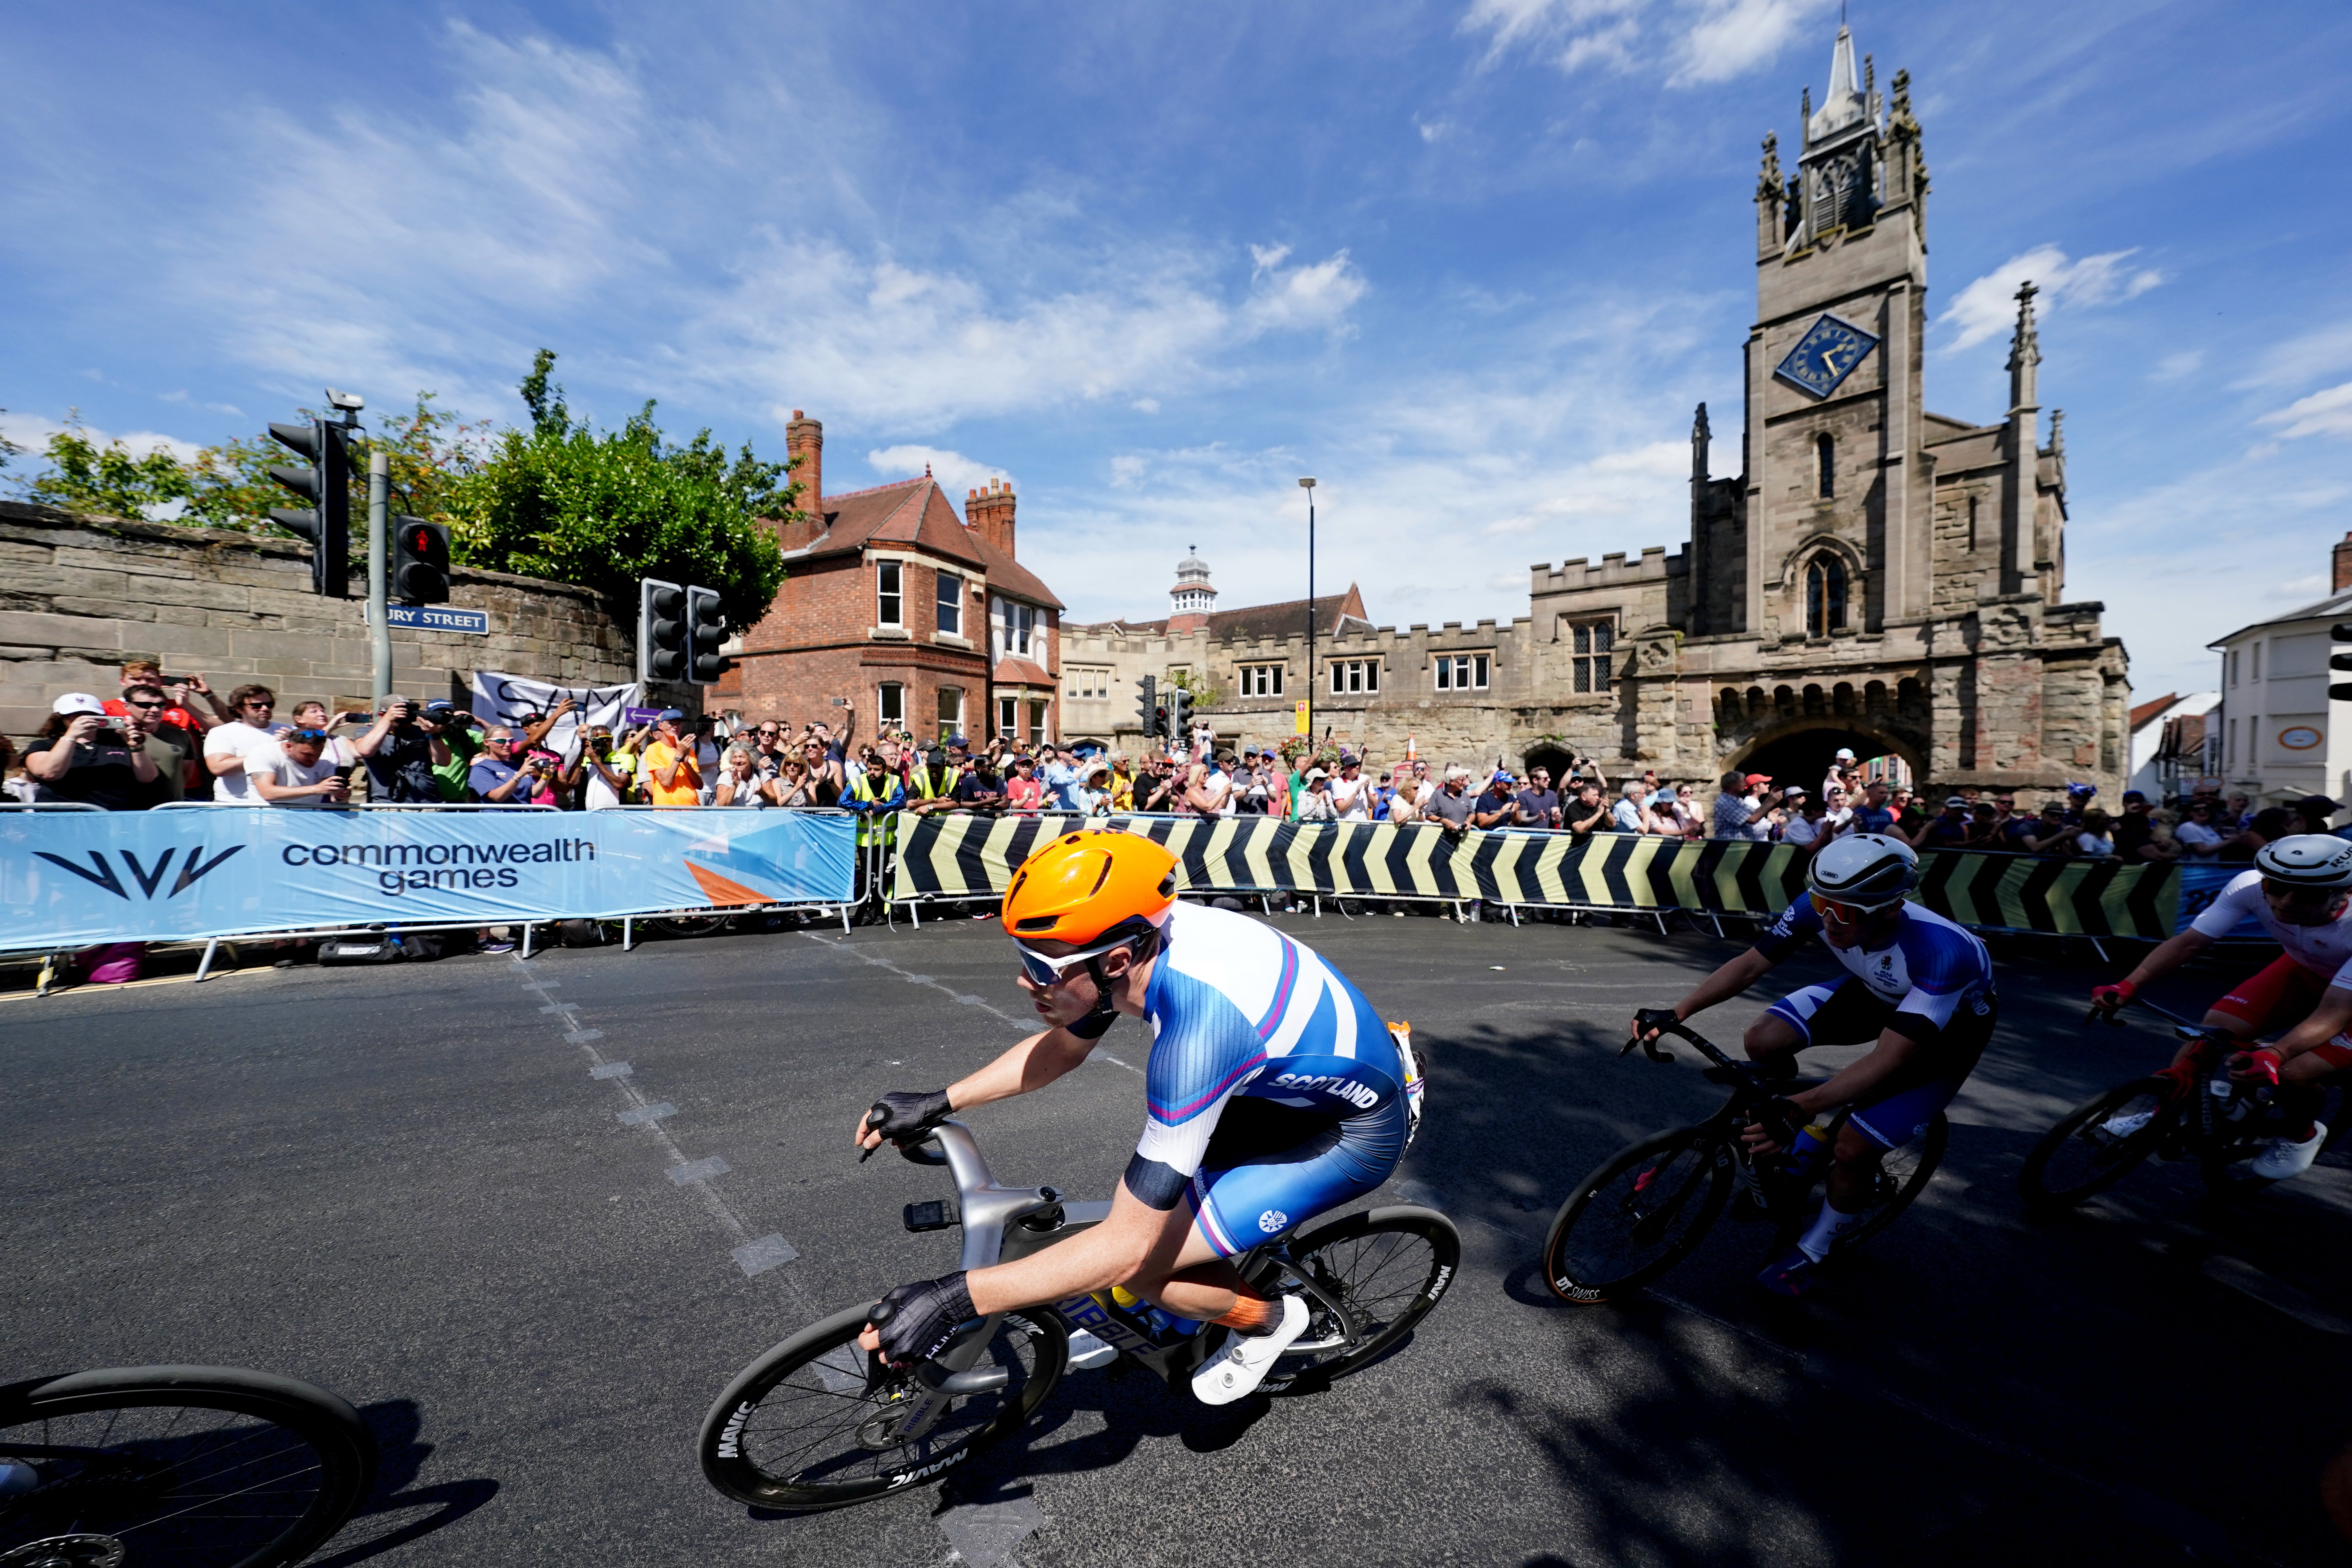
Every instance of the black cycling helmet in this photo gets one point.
(1865, 869)
(2320, 861)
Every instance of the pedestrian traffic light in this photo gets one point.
(420, 560)
(1147, 707)
(706, 629)
(1179, 715)
(661, 630)
(326, 484)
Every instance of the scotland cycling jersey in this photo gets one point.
(1931, 971)
(1274, 1091)
(1932, 983)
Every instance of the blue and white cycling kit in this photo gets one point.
(1274, 1091)
(1932, 983)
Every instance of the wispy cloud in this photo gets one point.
(1685, 43)
(1989, 305)
(2326, 412)
(952, 469)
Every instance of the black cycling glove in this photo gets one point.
(916, 1321)
(904, 1115)
(1780, 1119)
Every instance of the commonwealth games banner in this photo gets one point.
(958, 856)
(68, 879)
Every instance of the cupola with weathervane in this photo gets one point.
(1189, 602)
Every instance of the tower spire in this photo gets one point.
(2024, 352)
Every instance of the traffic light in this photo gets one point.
(325, 522)
(661, 630)
(2340, 632)
(1179, 716)
(706, 628)
(420, 562)
(1148, 707)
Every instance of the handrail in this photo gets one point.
(49, 806)
(352, 805)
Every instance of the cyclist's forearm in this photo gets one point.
(1112, 1253)
(1031, 1065)
(2329, 1019)
(2170, 954)
(1723, 984)
(1851, 1082)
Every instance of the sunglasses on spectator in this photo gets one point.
(306, 734)
(140, 702)
(1051, 972)
(257, 703)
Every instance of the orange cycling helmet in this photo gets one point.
(1081, 887)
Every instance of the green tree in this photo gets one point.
(110, 480)
(430, 453)
(562, 501)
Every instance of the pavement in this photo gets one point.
(530, 1218)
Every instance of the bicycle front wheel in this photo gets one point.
(178, 1467)
(2095, 1145)
(805, 1428)
(1903, 1175)
(1384, 1269)
(1639, 1215)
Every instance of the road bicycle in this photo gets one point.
(1649, 1206)
(2099, 1142)
(817, 1423)
(175, 1467)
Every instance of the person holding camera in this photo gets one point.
(497, 778)
(598, 778)
(81, 755)
(401, 754)
(296, 770)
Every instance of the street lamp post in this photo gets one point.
(1309, 486)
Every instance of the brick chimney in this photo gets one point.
(988, 511)
(804, 438)
(2343, 565)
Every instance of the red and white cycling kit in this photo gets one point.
(2316, 958)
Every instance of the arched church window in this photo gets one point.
(1825, 464)
(1825, 594)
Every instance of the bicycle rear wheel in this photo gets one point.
(800, 1428)
(1387, 1267)
(179, 1466)
(1639, 1215)
(687, 925)
(1903, 1175)
(2095, 1144)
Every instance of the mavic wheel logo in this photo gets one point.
(105, 876)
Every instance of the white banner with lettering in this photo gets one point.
(503, 699)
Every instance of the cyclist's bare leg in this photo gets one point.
(1772, 1043)
(1854, 1168)
(1196, 1283)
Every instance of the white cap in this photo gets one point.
(1845, 754)
(1314, 773)
(79, 703)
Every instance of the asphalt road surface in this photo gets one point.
(416, 1187)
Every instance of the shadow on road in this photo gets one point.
(386, 1522)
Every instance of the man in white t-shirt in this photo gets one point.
(294, 770)
(226, 746)
(1351, 792)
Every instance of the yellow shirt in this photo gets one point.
(687, 789)
(1122, 791)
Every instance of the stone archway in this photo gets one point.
(1548, 754)
(1800, 752)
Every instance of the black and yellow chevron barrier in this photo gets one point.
(961, 856)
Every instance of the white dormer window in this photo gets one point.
(1013, 627)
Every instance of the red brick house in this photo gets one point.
(893, 604)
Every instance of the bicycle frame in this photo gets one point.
(1001, 1224)
(1770, 1188)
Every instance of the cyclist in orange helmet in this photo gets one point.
(1274, 1093)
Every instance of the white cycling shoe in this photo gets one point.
(1235, 1372)
(2285, 1158)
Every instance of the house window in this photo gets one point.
(1037, 722)
(1008, 717)
(1826, 459)
(1354, 676)
(1016, 626)
(1261, 681)
(1588, 659)
(951, 605)
(1085, 682)
(889, 602)
(1461, 672)
(894, 705)
(2233, 667)
(1824, 595)
(950, 710)
(2255, 673)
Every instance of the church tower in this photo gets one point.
(1838, 502)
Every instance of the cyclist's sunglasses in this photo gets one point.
(1844, 915)
(1051, 972)
(2302, 898)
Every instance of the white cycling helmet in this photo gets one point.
(1867, 870)
(2318, 860)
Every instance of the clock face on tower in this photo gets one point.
(1825, 355)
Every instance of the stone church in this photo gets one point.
(1878, 576)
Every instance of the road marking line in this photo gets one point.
(966, 999)
(699, 1170)
(753, 1255)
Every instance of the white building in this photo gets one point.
(2278, 744)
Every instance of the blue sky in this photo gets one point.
(1469, 263)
